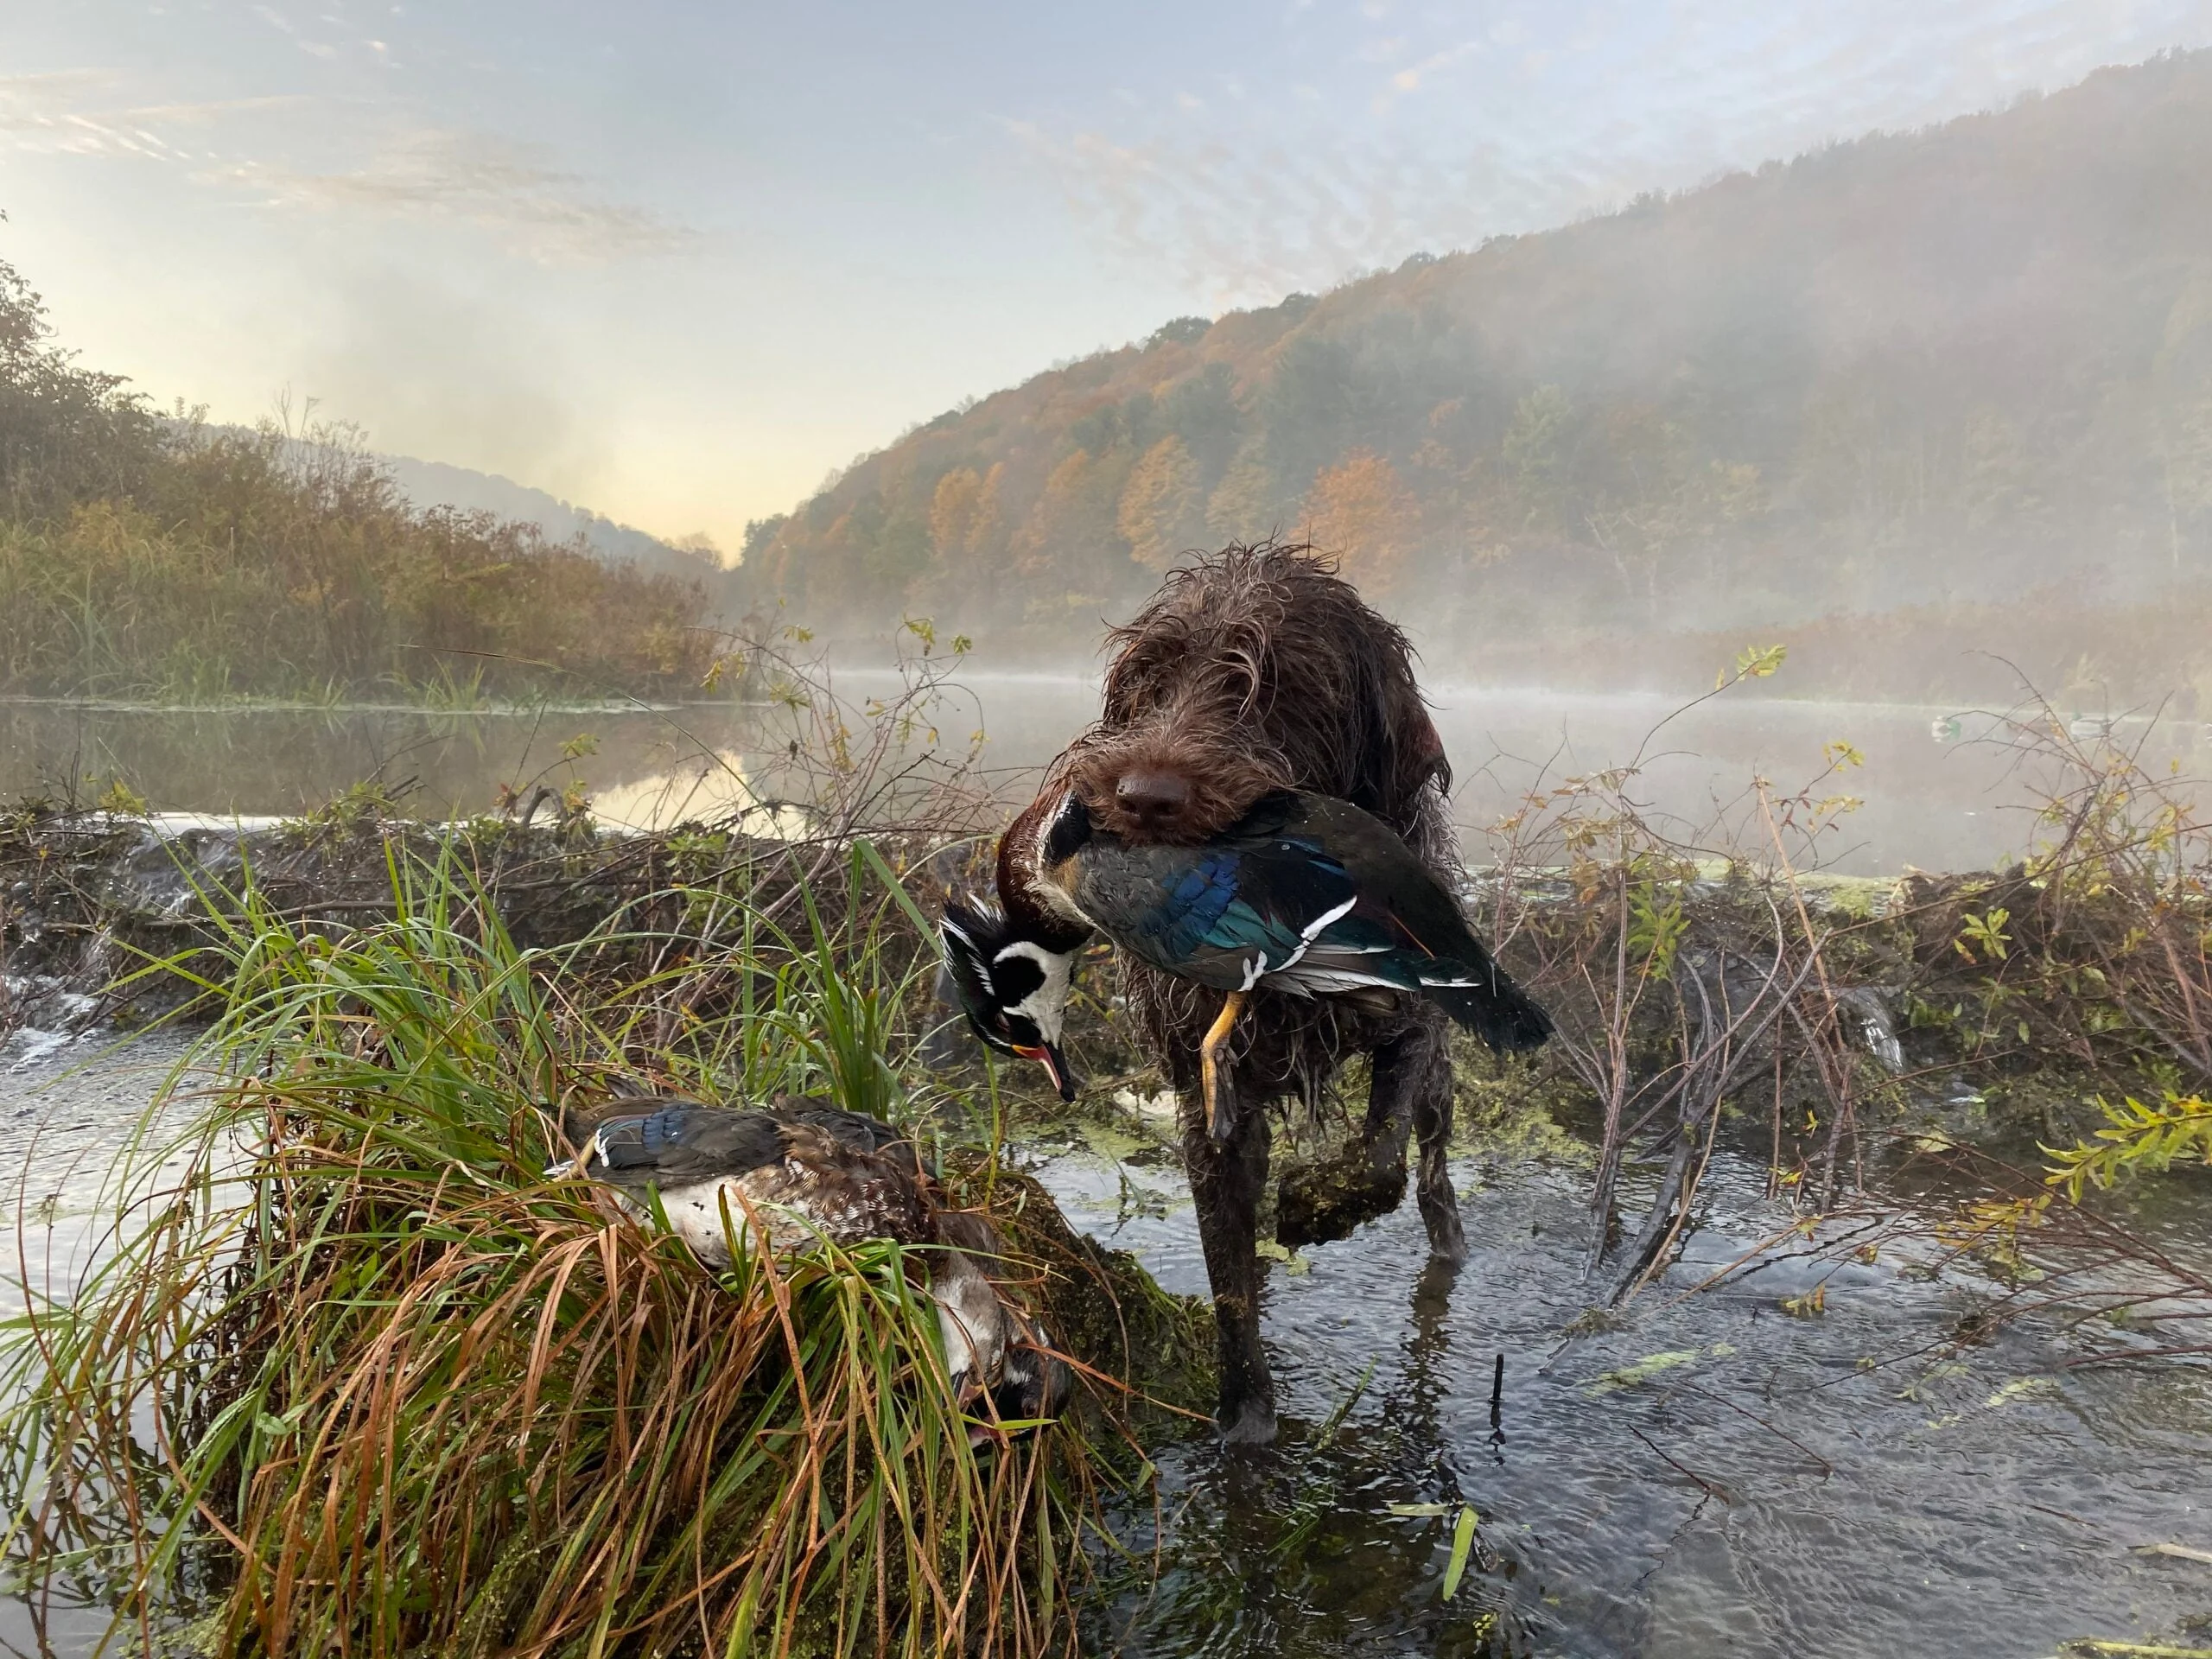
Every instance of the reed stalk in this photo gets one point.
(347, 1375)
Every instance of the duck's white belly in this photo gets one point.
(781, 1217)
(695, 1214)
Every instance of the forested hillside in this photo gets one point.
(1959, 375)
(157, 558)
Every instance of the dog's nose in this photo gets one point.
(1152, 798)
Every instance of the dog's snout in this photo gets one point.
(1152, 797)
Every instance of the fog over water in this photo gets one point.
(1939, 788)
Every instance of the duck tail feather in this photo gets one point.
(1492, 1007)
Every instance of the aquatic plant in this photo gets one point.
(2137, 1138)
(1689, 969)
(349, 1375)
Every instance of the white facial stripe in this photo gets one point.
(1046, 1006)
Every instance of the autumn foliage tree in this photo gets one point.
(166, 560)
(1361, 510)
(1162, 512)
(963, 511)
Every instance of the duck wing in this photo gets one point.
(1311, 895)
(680, 1143)
(853, 1128)
(1224, 914)
(1406, 927)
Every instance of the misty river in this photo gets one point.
(1938, 789)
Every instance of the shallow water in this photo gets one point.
(70, 1105)
(1948, 804)
(1851, 1485)
(1713, 1478)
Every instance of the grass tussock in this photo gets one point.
(359, 1380)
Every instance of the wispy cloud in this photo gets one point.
(78, 112)
(1243, 219)
(515, 192)
(1438, 135)
(518, 194)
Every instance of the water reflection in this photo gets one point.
(1702, 1476)
(1937, 792)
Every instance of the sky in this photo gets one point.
(679, 262)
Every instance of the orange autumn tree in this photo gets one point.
(1070, 534)
(1162, 512)
(1361, 510)
(963, 510)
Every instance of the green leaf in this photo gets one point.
(1757, 662)
(898, 888)
(1418, 1511)
(1463, 1544)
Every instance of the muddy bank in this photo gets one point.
(1964, 997)
(89, 901)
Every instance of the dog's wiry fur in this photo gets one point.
(1260, 669)
(1253, 669)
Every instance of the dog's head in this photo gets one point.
(1254, 670)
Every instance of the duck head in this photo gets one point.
(1013, 986)
(992, 1347)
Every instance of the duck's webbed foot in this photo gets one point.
(1217, 1123)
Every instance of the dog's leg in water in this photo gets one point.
(1412, 1077)
(1226, 1178)
(1390, 1122)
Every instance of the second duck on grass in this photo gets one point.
(806, 1173)
(1305, 894)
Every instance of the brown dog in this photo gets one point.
(1255, 668)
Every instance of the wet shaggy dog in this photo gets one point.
(1259, 669)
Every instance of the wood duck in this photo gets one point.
(1013, 988)
(1305, 894)
(1011, 967)
(807, 1172)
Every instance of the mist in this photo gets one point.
(1933, 408)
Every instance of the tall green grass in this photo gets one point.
(360, 1381)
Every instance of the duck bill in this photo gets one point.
(1048, 1055)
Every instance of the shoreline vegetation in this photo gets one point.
(365, 1377)
(349, 1373)
(149, 557)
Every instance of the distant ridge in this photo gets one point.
(437, 483)
(1965, 371)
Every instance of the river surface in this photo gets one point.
(1936, 793)
(1711, 1478)
(1705, 1476)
